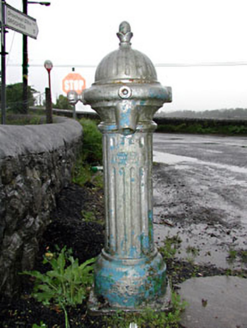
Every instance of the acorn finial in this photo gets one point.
(124, 33)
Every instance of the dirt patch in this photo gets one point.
(68, 227)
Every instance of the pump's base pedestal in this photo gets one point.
(162, 304)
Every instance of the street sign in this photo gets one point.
(73, 82)
(22, 23)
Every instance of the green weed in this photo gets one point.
(243, 256)
(97, 180)
(88, 216)
(192, 250)
(171, 246)
(66, 284)
(149, 318)
(81, 173)
(232, 255)
(41, 325)
(192, 253)
(92, 142)
(91, 154)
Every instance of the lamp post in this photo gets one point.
(48, 66)
(25, 56)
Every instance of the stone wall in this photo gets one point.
(35, 164)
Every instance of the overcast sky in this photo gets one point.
(79, 33)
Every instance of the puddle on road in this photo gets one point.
(171, 159)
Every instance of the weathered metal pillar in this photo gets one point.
(129, 273)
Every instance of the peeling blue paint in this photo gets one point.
(122, 141)
(150, 225)
(112, 243)
(133, 252)
(110, 127)
(129, 285)
(145, 242)
(131, 141)
(125, 116)
(158, 94)
(113, 159)
(122, 158)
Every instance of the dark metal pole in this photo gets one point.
(48, 105)
(48, 66)
(3, 66)
(74, 112)
(49, 82)
(50, 100)
(25, 66)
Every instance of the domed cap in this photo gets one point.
(125, 64)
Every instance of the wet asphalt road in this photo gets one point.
(218, 150)
(200, 193)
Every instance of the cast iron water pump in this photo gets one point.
(130, 273)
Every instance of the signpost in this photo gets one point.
(73, 82)
(3, 64)
(19, 22)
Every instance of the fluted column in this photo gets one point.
(128, 194)
(129, 270)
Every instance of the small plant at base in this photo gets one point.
(243, 256)
(171, 245)
(193, 251)
(88, 216)
(97, 180)
(64, 285)
(232, 255)
(149, 318)
(81, 172)
(41, 325)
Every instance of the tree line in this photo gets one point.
(14, 99)
(231, 113)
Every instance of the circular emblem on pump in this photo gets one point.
(125, 92)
